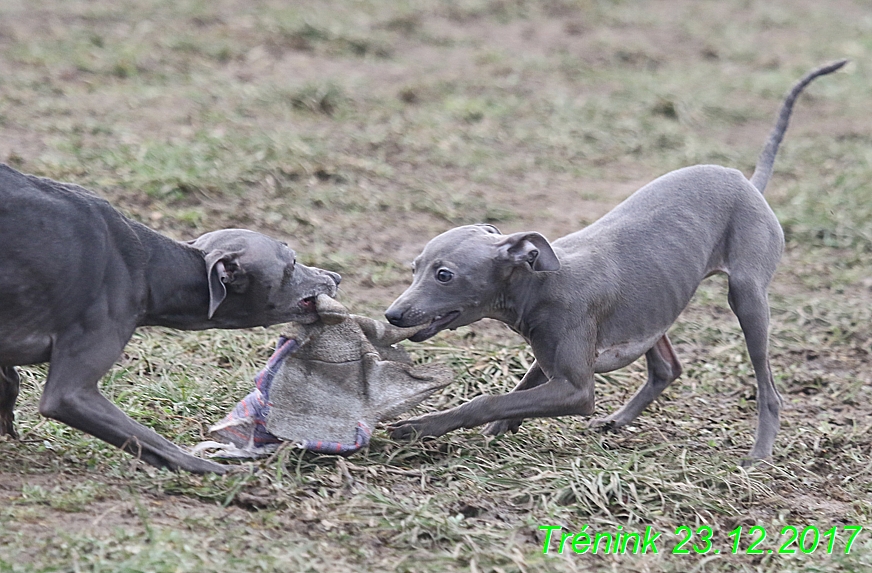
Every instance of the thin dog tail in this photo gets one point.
(763, 170)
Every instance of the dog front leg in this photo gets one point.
(570, 391)
(71, 396)
(557, 397)
(533, 378)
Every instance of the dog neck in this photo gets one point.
(511, 305)
(503, 308)
(178, 290)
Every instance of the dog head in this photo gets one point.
(256, 281)
(460, 276)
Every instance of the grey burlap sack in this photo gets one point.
(326, 387)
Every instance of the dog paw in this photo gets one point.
(603, 424)
(405, 431)
(414, 429)
(201, 466)
(7, 426)
(750, 461)
(501, 427)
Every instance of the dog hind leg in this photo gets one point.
(750, 303)
(9, 385)
(663, 368)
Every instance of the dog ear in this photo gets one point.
(216, 273)
(222, 269)
(488, 228)
(529, 248)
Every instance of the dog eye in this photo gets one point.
(444, 275)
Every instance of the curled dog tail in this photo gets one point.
(763, 170)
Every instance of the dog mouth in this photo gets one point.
(308, 307)
(309, 304)
(437, 324)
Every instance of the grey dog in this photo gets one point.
(597, 299)
(78, 277)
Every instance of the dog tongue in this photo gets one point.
(330, 310)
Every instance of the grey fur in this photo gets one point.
(78, 278)
(599, 298)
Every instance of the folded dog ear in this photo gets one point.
(530, 248)
(222, 269)
(487, 227)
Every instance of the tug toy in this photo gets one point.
(326, 386)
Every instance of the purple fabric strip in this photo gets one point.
(363, 434)
(255, 407)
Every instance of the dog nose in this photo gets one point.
(394, 316)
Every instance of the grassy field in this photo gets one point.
(358, 130)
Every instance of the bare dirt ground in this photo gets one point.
(356, 132)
